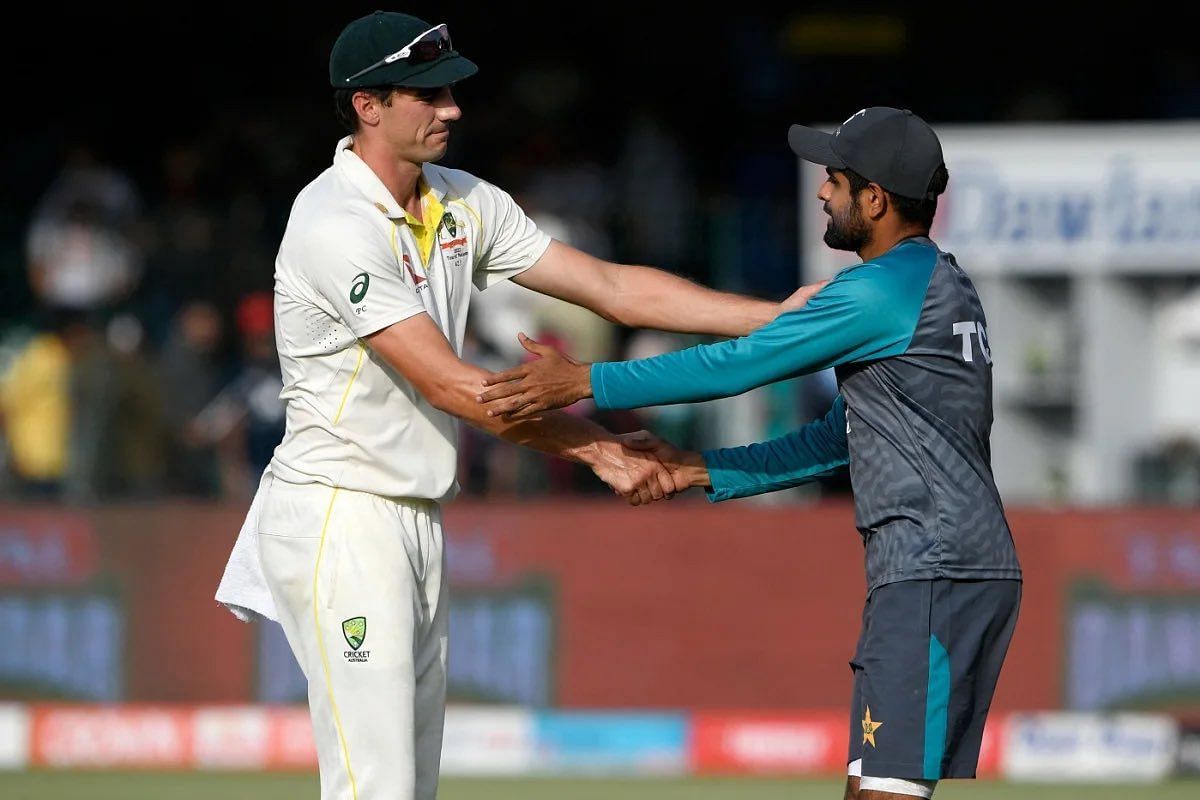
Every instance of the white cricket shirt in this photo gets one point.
(353, 262)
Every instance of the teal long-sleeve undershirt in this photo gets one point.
(867, 312)
(813, 451)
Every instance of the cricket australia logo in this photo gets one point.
(452, 245)
(355, 631)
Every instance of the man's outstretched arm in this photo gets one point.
(645, 297)
(815, 450)
(418, 350)
(854, 318)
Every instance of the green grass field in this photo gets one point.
(193, 786)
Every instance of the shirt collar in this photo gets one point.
(366, 181)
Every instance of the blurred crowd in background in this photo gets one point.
(136, 341)
(144, 364)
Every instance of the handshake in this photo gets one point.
(639, 466)
(643, 468)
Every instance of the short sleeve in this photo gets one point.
(359, 279)
(510, 242)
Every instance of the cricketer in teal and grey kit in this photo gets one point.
(906, 336)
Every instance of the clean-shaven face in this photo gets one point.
(417, 122)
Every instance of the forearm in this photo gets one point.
(645, 297)
(552, 432)
(758, 472)
(694, 375)
(814, 451)
(847, 321)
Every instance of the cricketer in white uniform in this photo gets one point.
(372, 284)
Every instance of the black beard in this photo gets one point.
(848, 231)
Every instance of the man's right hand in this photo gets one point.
(551, 380)
(635, 474)
(687, 468)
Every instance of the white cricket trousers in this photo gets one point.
(358, 581)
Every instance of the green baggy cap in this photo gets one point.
(359, 56)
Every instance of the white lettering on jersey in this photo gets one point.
(965, 329)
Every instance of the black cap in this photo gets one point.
(889, 146)
(355, 59)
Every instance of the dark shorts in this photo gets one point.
(925, 670)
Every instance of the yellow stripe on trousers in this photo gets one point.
(337, 718)
(316, 602)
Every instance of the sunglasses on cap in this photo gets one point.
(425, 48)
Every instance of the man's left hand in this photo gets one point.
(552, 380)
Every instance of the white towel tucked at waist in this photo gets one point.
(243, 588)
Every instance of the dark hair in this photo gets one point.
(343, 104)
(915, 210)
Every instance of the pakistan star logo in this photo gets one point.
(869, 728)
(355, 631)
(450, 224)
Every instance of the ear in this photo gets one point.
(874, 201)
(367, 107)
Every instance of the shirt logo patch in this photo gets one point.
(362, 282)
(418, 280)
(454, 248)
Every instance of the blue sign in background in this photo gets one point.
(637, 742)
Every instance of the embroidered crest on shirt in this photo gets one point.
(452, 245)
